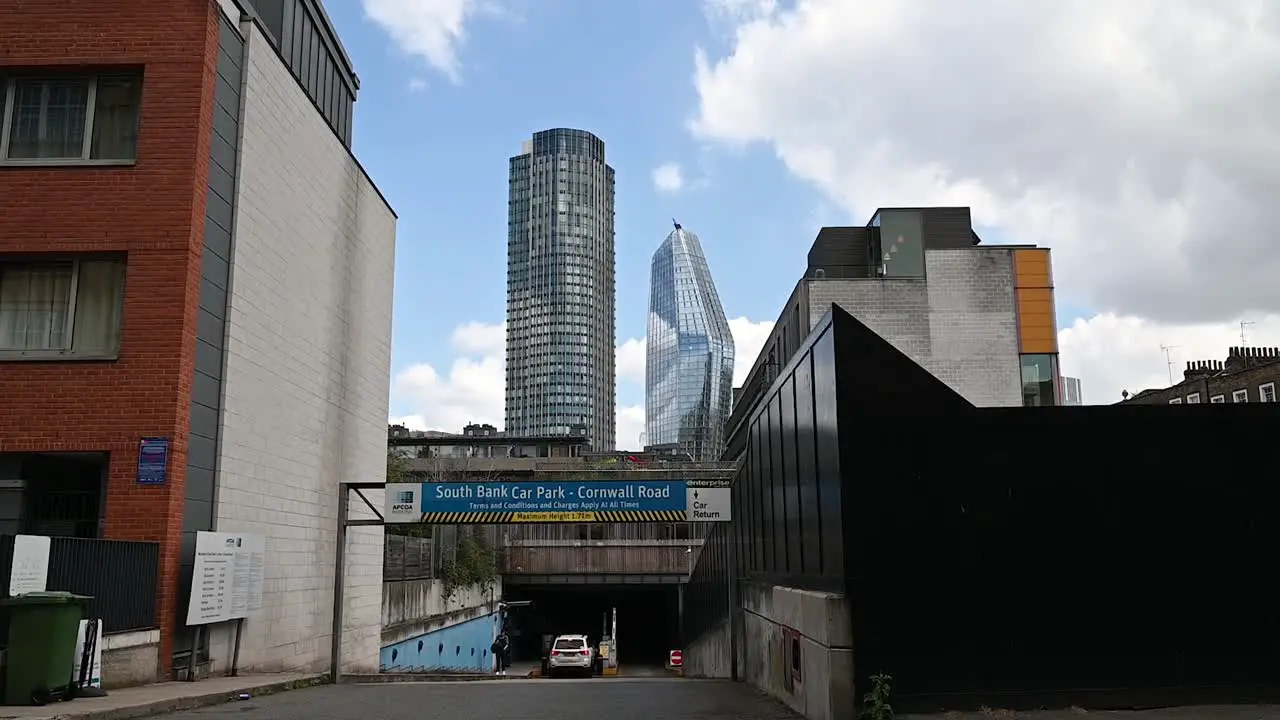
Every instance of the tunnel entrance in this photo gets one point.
(648, 618)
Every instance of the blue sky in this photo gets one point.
(438, 148)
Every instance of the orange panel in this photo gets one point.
(1037, 321)
(1032, 269)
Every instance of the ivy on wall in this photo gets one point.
(474, 563)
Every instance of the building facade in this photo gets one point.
(689, 352)
(1071, 394)
(560, 288)
(191, 254)
(1248, 375)
(980, 318)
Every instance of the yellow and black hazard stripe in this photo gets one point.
(642, 516)
(499, 518)
(465, 518)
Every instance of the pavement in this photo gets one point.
(149, 700)
(521, 699)
(1195, 712)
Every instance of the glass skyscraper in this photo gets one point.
(560, 289)
(689, 362)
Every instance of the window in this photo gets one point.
(70, 119)
(1267, 393)
(1176, 401)
(1218, 399)
(1038, 373)
(1240, 396)
(61, 308)
(1193, 399)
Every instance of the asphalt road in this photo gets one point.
(594, 699)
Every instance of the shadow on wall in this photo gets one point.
(460, 647)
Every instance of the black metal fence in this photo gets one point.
(120, 575)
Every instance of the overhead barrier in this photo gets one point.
(559, 501)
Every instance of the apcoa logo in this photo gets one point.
(403, 502)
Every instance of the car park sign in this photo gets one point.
(557, 501)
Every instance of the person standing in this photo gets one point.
(501, 650)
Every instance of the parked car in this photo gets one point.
(570, 654)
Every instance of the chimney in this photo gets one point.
(1197, 370)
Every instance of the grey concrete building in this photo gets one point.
(560, 288)
(978, 317)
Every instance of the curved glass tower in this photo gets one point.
(689, 361)
(560, 289)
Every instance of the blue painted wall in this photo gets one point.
(464, 646)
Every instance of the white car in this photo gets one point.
(571, 653)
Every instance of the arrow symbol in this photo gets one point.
(695, 494)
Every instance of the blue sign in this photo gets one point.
(153, 461)
(555, 501)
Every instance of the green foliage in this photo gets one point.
(876, 703)
(474, 563)
(397, 467)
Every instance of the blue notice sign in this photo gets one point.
(153, 461)
(666, 496)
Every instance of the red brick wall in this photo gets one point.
(155, 212)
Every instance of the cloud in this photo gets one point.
(629, 428)
(630, 361)
(1112, 353)
(1136, 139)
(433, 30)
(417, 85)
(473, 389)
(748, 339)
(668, 177)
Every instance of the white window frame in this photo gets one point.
(1176, 401)
(68, 350)
(8, 92)
(1240, 396)
(1262, 392)
(1193, 398)
(1216, 399)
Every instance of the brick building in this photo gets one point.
(1249, 374)
(191, 254)
(981, 318)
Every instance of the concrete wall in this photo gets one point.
(130, 659)
(711, 655)
(823, 621)
(423, 629)
(307, 374)
(961, 324)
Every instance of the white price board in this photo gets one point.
(30, 571)
(708, 504)
(226, 582)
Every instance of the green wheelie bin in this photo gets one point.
(43, 627)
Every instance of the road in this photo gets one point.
(609, 698)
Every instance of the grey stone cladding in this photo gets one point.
(960, 324)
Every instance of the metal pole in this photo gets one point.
(339, 582)
(235, 654)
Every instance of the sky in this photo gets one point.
(1137, 140)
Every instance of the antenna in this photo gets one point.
(1168, 359)
(673, 222)
(1244, 324)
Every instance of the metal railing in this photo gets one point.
(120, 575)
